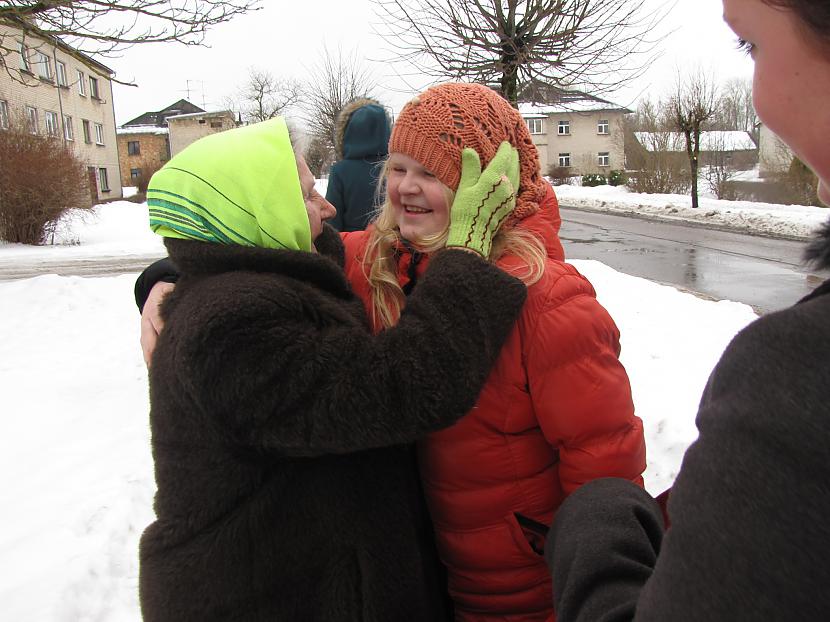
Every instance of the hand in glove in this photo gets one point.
(484, 199)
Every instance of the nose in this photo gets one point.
(408, 185)
(327, 210)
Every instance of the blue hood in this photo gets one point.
(366, 133)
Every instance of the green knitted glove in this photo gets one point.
(484, 199)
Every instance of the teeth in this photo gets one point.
(417, 210)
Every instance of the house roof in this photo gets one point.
(554, 100)
(142, 129)
(160, 118)
(732, 140)
(214, 114)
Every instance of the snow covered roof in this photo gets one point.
(142, 129)
(530, 111)
(709, 141)
(193, 115)
(584, 105)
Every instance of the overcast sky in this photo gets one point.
(287, 38)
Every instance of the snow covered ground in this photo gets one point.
(74, 439)
(790, 221)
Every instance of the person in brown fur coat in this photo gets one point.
(287, 488)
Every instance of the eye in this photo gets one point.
(429, 174)
(746, 46)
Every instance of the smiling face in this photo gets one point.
(319, 210)
(418, 200)
(791, 85)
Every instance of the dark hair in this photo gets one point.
(814, 14)
(817, 253)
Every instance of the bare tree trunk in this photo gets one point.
(694, 164)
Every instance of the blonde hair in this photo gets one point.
(380, 264)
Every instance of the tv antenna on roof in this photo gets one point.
(189, 88)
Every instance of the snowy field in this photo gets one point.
(75, 456)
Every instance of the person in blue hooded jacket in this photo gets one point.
(363, 129)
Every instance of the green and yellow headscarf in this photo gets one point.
(236, 187)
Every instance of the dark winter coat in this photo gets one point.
(363, 129)
(285, 489)
(750, 533)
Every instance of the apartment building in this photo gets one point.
(578, 132)
(60, 92)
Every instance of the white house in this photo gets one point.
(775, 156)
(730, 147)
(577, 131)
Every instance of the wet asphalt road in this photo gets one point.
(23, 268)
(762, 272)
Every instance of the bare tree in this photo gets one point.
(524, 46)
(720, 169)
(317, 156)
(264, 96)
(333, 82)
(736, 109)
(693, 104)
(106, 27)
(651, 151)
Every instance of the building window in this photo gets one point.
(4, 114)
(68, 130)
(603, 127)
(31, 119)
(99, 134)
(564, 128)
(93, 88)
(87, 133)
(103, 180)
(534, 125)
(44, 66)
(135, 173)
(604, 158)
(81, 83)
(24, 58)
(133, 147)
(216, 125)
(60, 71)
(564, 159)
(51, 123)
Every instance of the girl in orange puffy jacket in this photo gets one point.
(556, 411)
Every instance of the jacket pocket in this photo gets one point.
(529, 534)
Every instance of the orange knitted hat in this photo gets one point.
(436, 125)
